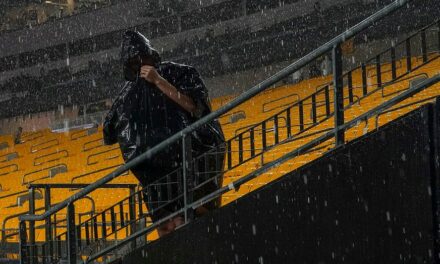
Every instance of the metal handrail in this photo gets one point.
(123, 224)
(96, 171)
(100, 153)
(397, 4)
(86, 131)
(40, 170)
(238, 130)
(279, 99)
(33, 150)
(92, 141)
(92, 212)
(33, 136)
(387, 71)
(50, 154)
(232, 186)
(323, 103)
(6, 155)
(404, 79)
(399, 98)
(15, 166)
(402, 107)
(79, 185)
(385, 51)
(229, 115)
(12, 194)
(268, 119)
(77, 133)
(4, 145)
(410, 36)
(6, 219)
(302, 126)
(393, 82)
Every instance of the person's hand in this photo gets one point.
(150, 74)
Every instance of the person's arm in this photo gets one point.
(110, 135)
(150, 74)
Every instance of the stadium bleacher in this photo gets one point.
(79, 157)
(48, 167)
(205, 52)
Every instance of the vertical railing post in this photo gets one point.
(288, 122)
(71, 235)
(43, 253)
(187, 176)
(408, 54)
(240, 148)
(56, 254)
(132, 213)
(393, 63)
(94, 229)
(244, 7)
(103, 226)
(3, 235)
(435, 168)
(327, 101)
(24, 252)
(438, 36)
(59, 246)
(32, 252)
(112, 219)
(139, 204)
(314, 112)
(121, 219)
(350, 87)
(252, 142)
(78, 236)
(229, 146)
(424, 47)
(301, 116)
(378, 71)
(48, 224)
(338, 91)
(263, 135)
(364, 79)
(87, 233)
(276, 129)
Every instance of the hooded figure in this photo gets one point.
(143, 116)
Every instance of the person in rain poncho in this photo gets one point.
(158, 100)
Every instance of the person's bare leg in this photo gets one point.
(170, 226)
(166, 228)
(201, 211)
(178, 221)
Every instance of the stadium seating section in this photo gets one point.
(80, 156)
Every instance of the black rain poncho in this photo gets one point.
(142, 116)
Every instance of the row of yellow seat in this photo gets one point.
(352, 112)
